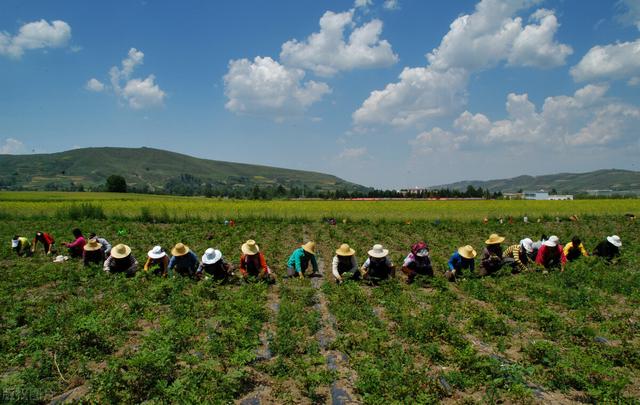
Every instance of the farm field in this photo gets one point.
(528, 338)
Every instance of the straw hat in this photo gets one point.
(494, 238)
(552, 241)
(527, 243)
(156, 253)
(310, 247)
(345, 250)
(467, 252)
(378, 251)
(614, 240)
(92, 245)
(120, 251)
(211, 256)
(250, 247)
(180, 249)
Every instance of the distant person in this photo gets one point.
(21, 246)
(157, 262)
(417, 262)
(463, 258)
(491, 260)
(106, 246)
(214, 266)
(536, 246)
(377, 267)
(75, 248)
(609, 249)
(344, 261)
(525, 219)
(121, 261)
(93, 253)
(48, 243)
(551, 254)
(300, 258)
(517, 256)
(574, 249)
(253, 264)
(183, 260)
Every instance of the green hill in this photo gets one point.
(569, 183)
(151, 170)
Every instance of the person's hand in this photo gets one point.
(300, 275)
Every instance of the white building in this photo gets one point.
(561, 197)
(535, 195)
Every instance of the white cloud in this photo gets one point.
(535, 46)
(362, 3)
(327, 52)
(35, 35)
(94, 85)
(391, 4)
(437, 140)
(143, 93)
(264, 86)
(608, 62)
(352, 153)
(629, 12)
(12, 146)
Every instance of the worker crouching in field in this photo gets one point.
(183, 260)
(344, 262)
(300, 258)
(609, 249)
(551, 254)
(76, 248)
(157, 261)
(491, 260)
(93, 253)
(121, 261)
(21, 245)
(463, 258)
(106, 246)
(417, 262)
(47, 242)
(253, 264)
(517, 256)
(574, 249)
(377, 267)
(214, 266)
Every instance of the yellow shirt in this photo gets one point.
(569, 245)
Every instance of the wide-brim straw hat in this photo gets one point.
(180, 249)
(494, 238)
(250, 247)
(378, 251)
(614, 240)
(468, 252)
(211, 256)
(92, 245)
(310, 247)
(156, 253)
(120, 251)
(345, 250)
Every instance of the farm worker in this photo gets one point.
(574, 249)
(157, 261)
(551, 254)
(214, 265)
(461, 259)
(417, 262)
(121, 261)
(491, 260)
(253, 263)
(183, 260)
(344, 262)
(518, 255)
(609, 249)
(299, 260)
(76, 247)
(377, 267)
(46, 240)
(21, 245)
(93, 253)
(106, 246)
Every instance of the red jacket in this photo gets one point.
(545, 251)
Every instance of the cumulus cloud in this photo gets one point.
(437, 140)
(12, 146)
(391, 5)
(352, 153)
(143, 93)
(362, 3)
(609, 62)
(264, 86)
(629, 12)
(481, 40)
(327, 52)
(35, 35)
(94, 85)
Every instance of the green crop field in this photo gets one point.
(75, 333)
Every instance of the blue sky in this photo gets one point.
(384, 93)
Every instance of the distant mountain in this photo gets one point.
(153, 170)
(569, 183)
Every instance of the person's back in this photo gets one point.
(609, 248)
(574, 249)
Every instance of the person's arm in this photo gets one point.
(107, 264)
(134, 266)
(583, 251)
(451, 263)
(354, 264)
(314, 263)
(563, 258)
(472, 266)
(34, 244)
(165, 267)
(296, 261)
(540, 255)
(516, 257)
(196, 261)
(79, 241)
(365, 266)
(172, 263)
(147, 264)
(243, 269)
(334, 268)
(567, 247)
(263, 263)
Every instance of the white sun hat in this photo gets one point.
(14, 243)
(211, 256)
(378, 251)
(552, 241)
(614, 240)
(156, 253)
(527, 243)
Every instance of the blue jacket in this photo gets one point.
(189, 261)
(299, 261)
(458, 262)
